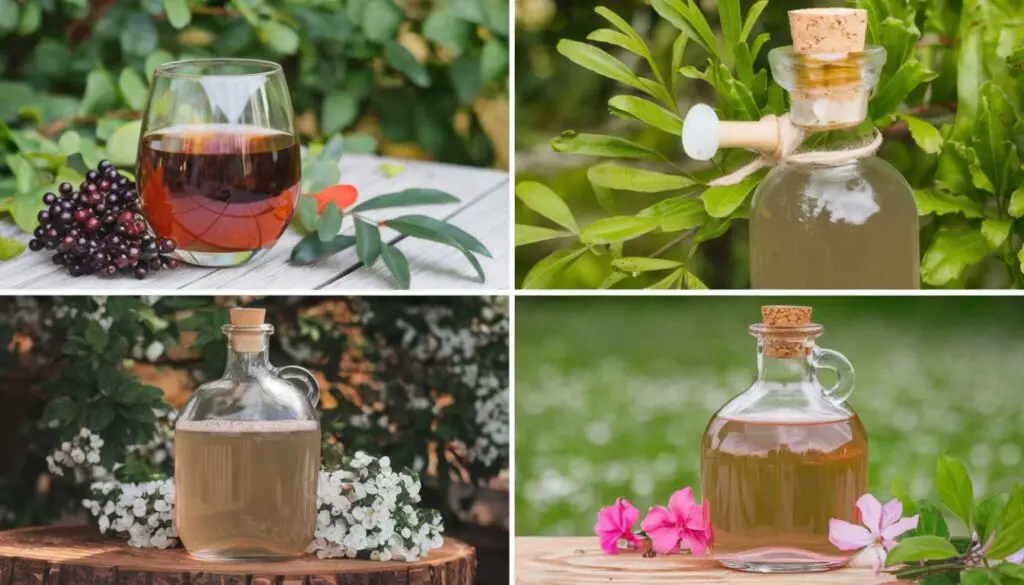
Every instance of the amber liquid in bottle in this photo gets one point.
(773, 484)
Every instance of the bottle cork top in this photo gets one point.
(828, 30)
(785, 316)
(249, 337)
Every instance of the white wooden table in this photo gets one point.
(483, 211)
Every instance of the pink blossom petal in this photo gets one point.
(610, 543)
(1017, 557)
(897, 528)
(661, 529)
(877, 556)
(681, 504)
(696, 542)
(629, 514)
(846, 536)
(870, 513)
(891, 512)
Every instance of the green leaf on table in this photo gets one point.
(281, 38)
(1008, 540)
(10, 248)
(306, 214)
(951, 251)
(338, 110)
(669, 281)
(954, 486)
(397, 265)
(601, 145)
(330, 222)
(380, 20)
(638, 264)
(942, 202)
(414, 196)
(547, 203)
(924, 134)
(494, 61)
(617, 229)
(133, 88)
(721, 201)
(677, 213)
(920, 548)
(996, 231)
(25, 209)
(988, 513)
(1016, 205)
(612, 176)
(401, 60)
(531, 234)
(429, 228)
(178, 13)
(368, 242)
(637, 108)
(549, 267)
(123, 145)
(312, 248)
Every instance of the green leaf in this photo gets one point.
(8, 15)
(279, 37)
(156, 59)
(402, 61)
(31, 18)
(139, 36)
(178, 13)
(731, 23)
(397, 265)
(312, 248)
(888, 98)
(544, 271)
(25, 210)
(330, 223)
(305, 213)
(123, 145)
(943, 203)
(338, 111)
(494, 61)
(678, 49)
(429, 228)
(99, 96)
(930, 521)
(694, 283)
(954, 487)
(641, 264)
(752, 15)
(721, 201)
(133, 88)
(992, 140)
(26, 177)
(10, 248)
(600, 145)
(969, 77)
(687, 18)
(977, 577)
(628, 106)
(406, 197)
(613, 176)
(996, 231)
(988, 513)
(669, 281)
(951, 251)
(445, 28)
(95, 336)
(368, 242)
(380, 20)
(1009, 539)
(677, 213)
(63, 410)
(1011, 573)
(101, 416)
(598, 61)
(614, 37)
(531, 234)
(546, 202)
(924, 134)
(617, 229)
(1016, 205)
(920, 548)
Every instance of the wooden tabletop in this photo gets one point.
(79, 555)
(580, 561)
(483, 211)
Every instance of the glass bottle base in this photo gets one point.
(230, 557)
(781, 560)
(218, 259)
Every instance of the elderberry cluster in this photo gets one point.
(99, 228)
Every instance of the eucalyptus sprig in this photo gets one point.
(994, 526)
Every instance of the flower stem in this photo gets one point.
(917, 571)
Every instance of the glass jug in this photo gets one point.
(785, 456)
(247, 454)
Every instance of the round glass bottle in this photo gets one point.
(785, 456)
(247, 454)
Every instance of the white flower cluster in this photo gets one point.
(492, 420)
(81, 456)
(367, 507)
(142, 512)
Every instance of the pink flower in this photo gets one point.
(882, 524)
(615, 523)
(683, 524)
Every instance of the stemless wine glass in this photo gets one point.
(219, 165)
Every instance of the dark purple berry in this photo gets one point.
(67, 243)
(66, 205)
(51, 234)
(92, 175)
(58, 259)
(44, 216)
(110, 270)
(140, 272)
(50, 245)
(66, 217)
(35, 245)
(65, 188)
(92, 225)
(49, 199)
(76, 270)
(82, 215)
(167, 246)
(171, 263)
(125, 218)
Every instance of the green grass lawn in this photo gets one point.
(613, 393)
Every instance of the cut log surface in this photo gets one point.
(78, 555)
(580, 561)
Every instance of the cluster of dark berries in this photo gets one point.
(99, 229)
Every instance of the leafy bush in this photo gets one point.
(422, 381)
(951, 82)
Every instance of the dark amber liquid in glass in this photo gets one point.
(219, 189)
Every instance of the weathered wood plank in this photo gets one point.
(580, 561)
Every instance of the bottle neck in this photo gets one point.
(783, 370)
(245, 364)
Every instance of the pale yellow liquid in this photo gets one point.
(848, 227)
(246, 489)
(772, 488)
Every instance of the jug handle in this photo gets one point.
(826, 359)
(302, 378)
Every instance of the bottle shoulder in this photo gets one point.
(803, 402)
(249, 398)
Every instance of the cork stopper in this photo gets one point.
(247, 329)
(787, 331)
(828, 30)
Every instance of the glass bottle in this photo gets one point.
(247, 454)
(786, 455)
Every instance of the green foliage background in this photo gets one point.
(613, 395)
(948, 104)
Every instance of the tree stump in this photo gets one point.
(580, 561)
(79, 555)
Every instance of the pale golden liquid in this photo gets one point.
(246, 490)
(853, 227)
(772, 488)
